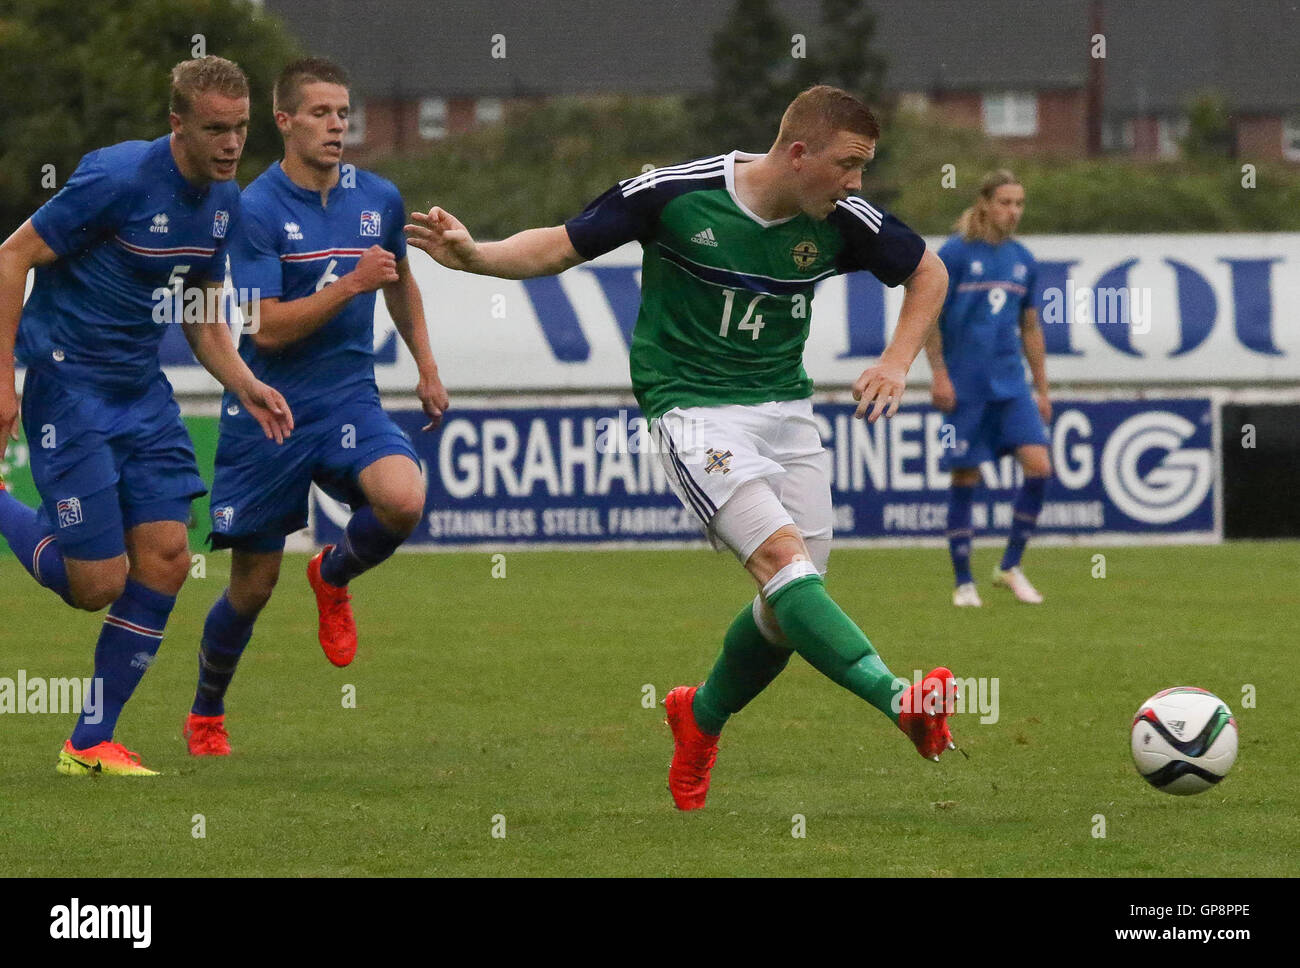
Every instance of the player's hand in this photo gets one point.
(942, 393)
(433, 398)
(8, 415)
(376, 268)
(1044, 406)
(441, 235)
(881, 389)
(268, 408)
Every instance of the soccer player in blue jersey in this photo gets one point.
(733, 248)
(989, 316)
(118, 251)
(318, 241)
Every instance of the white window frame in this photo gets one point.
(1170, 132)
(488, 110)
(356, 133)
(913, 102)
(1291, 137)
(433, 117)
(1010, 114)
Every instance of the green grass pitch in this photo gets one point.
(482, 698)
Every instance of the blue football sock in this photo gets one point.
(128, 642)
(31, 537)
(959, 530)
(225, 635)
(1028, 503)
(365, 544)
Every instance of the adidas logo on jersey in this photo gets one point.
(705, 238)
(292, 230)
(159, 223)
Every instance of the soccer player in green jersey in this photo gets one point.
(733, 246)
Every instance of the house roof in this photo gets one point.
(1158, 52)
(1163, 52)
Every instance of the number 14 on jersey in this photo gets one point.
(750, 321)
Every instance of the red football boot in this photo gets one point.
(336, 628)
(694, 752)
(926, 708)
(206, 735)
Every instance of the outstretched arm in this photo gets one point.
(533, 252)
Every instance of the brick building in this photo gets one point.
(1024, 72)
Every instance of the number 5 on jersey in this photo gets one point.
(750, 322)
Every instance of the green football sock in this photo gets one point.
(746, 666)
(819, 631)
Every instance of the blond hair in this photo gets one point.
(974, 222)
(819, 112)
(194, 77)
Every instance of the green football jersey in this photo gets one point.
(726, 296)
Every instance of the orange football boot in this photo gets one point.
(107, 758)
(336, 629)
(206, 735)
(694, 751)
(926, 708)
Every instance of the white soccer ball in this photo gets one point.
(1184, 740)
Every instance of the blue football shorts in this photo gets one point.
(104, 463)
(989, 429)
(261, 489)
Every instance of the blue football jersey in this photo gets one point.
(988, 288)
(291, 246)
(128, 228)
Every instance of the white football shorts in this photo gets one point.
(747, 471)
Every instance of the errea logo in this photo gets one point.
(292, 231)
(159, 223)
